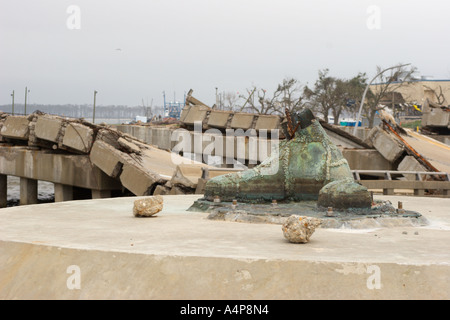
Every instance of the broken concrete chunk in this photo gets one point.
(110, 136)
(48, 128)
(387, 145)
(299, 229)
(139, 181)
(219, 119)
(187, 175)
(161, 190)
(177, 191)
(196, 113)
(16, 127)
(242, 121)
(78, 137)
(107, 158)
(148, 207)
(409, 163)
(268, 122)
(129, 146)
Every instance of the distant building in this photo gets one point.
(417, 91)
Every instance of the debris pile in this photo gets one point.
(141, 168)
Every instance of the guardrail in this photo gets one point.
(419, 185)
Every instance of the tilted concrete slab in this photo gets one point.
(140, 182)
(437, 153)
(78, 137)
(16, 127)
(182, 255)
(187, 175)
(409, 163)
(242, 121)
(196, 113)
(366, 159)
(107, 158)
(218, 119)
(387, 145)
(48, 128)
(267, 122)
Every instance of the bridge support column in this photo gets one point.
(100, 194)
(63, 192)
(28, 191)
(3, 190)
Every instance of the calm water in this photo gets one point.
(46, 191)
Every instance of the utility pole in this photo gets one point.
(26, 93)
(93, 116)
(12, 106)
(217, 99)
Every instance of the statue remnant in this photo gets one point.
(310, 167)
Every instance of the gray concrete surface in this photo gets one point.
(182, 255)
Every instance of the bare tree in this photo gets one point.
(287, 95)
(230, 101)
(438, 94)
(329, 95)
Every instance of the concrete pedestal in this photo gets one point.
(176, 254)
(28, 191)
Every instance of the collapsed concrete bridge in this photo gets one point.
(73, 154)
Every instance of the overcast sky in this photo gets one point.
(133, 50)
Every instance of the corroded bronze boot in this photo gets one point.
(301, 168)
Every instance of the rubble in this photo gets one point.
(299, 229)
(138, 166)
(148, 207)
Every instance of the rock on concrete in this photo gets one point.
(148, 206)
(343, 194)
(298, 229)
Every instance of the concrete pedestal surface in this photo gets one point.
(97, 249)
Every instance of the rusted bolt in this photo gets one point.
(216, 199)
(400, 209)
(234, 204)
(274, 203)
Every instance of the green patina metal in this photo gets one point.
(302, 167)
